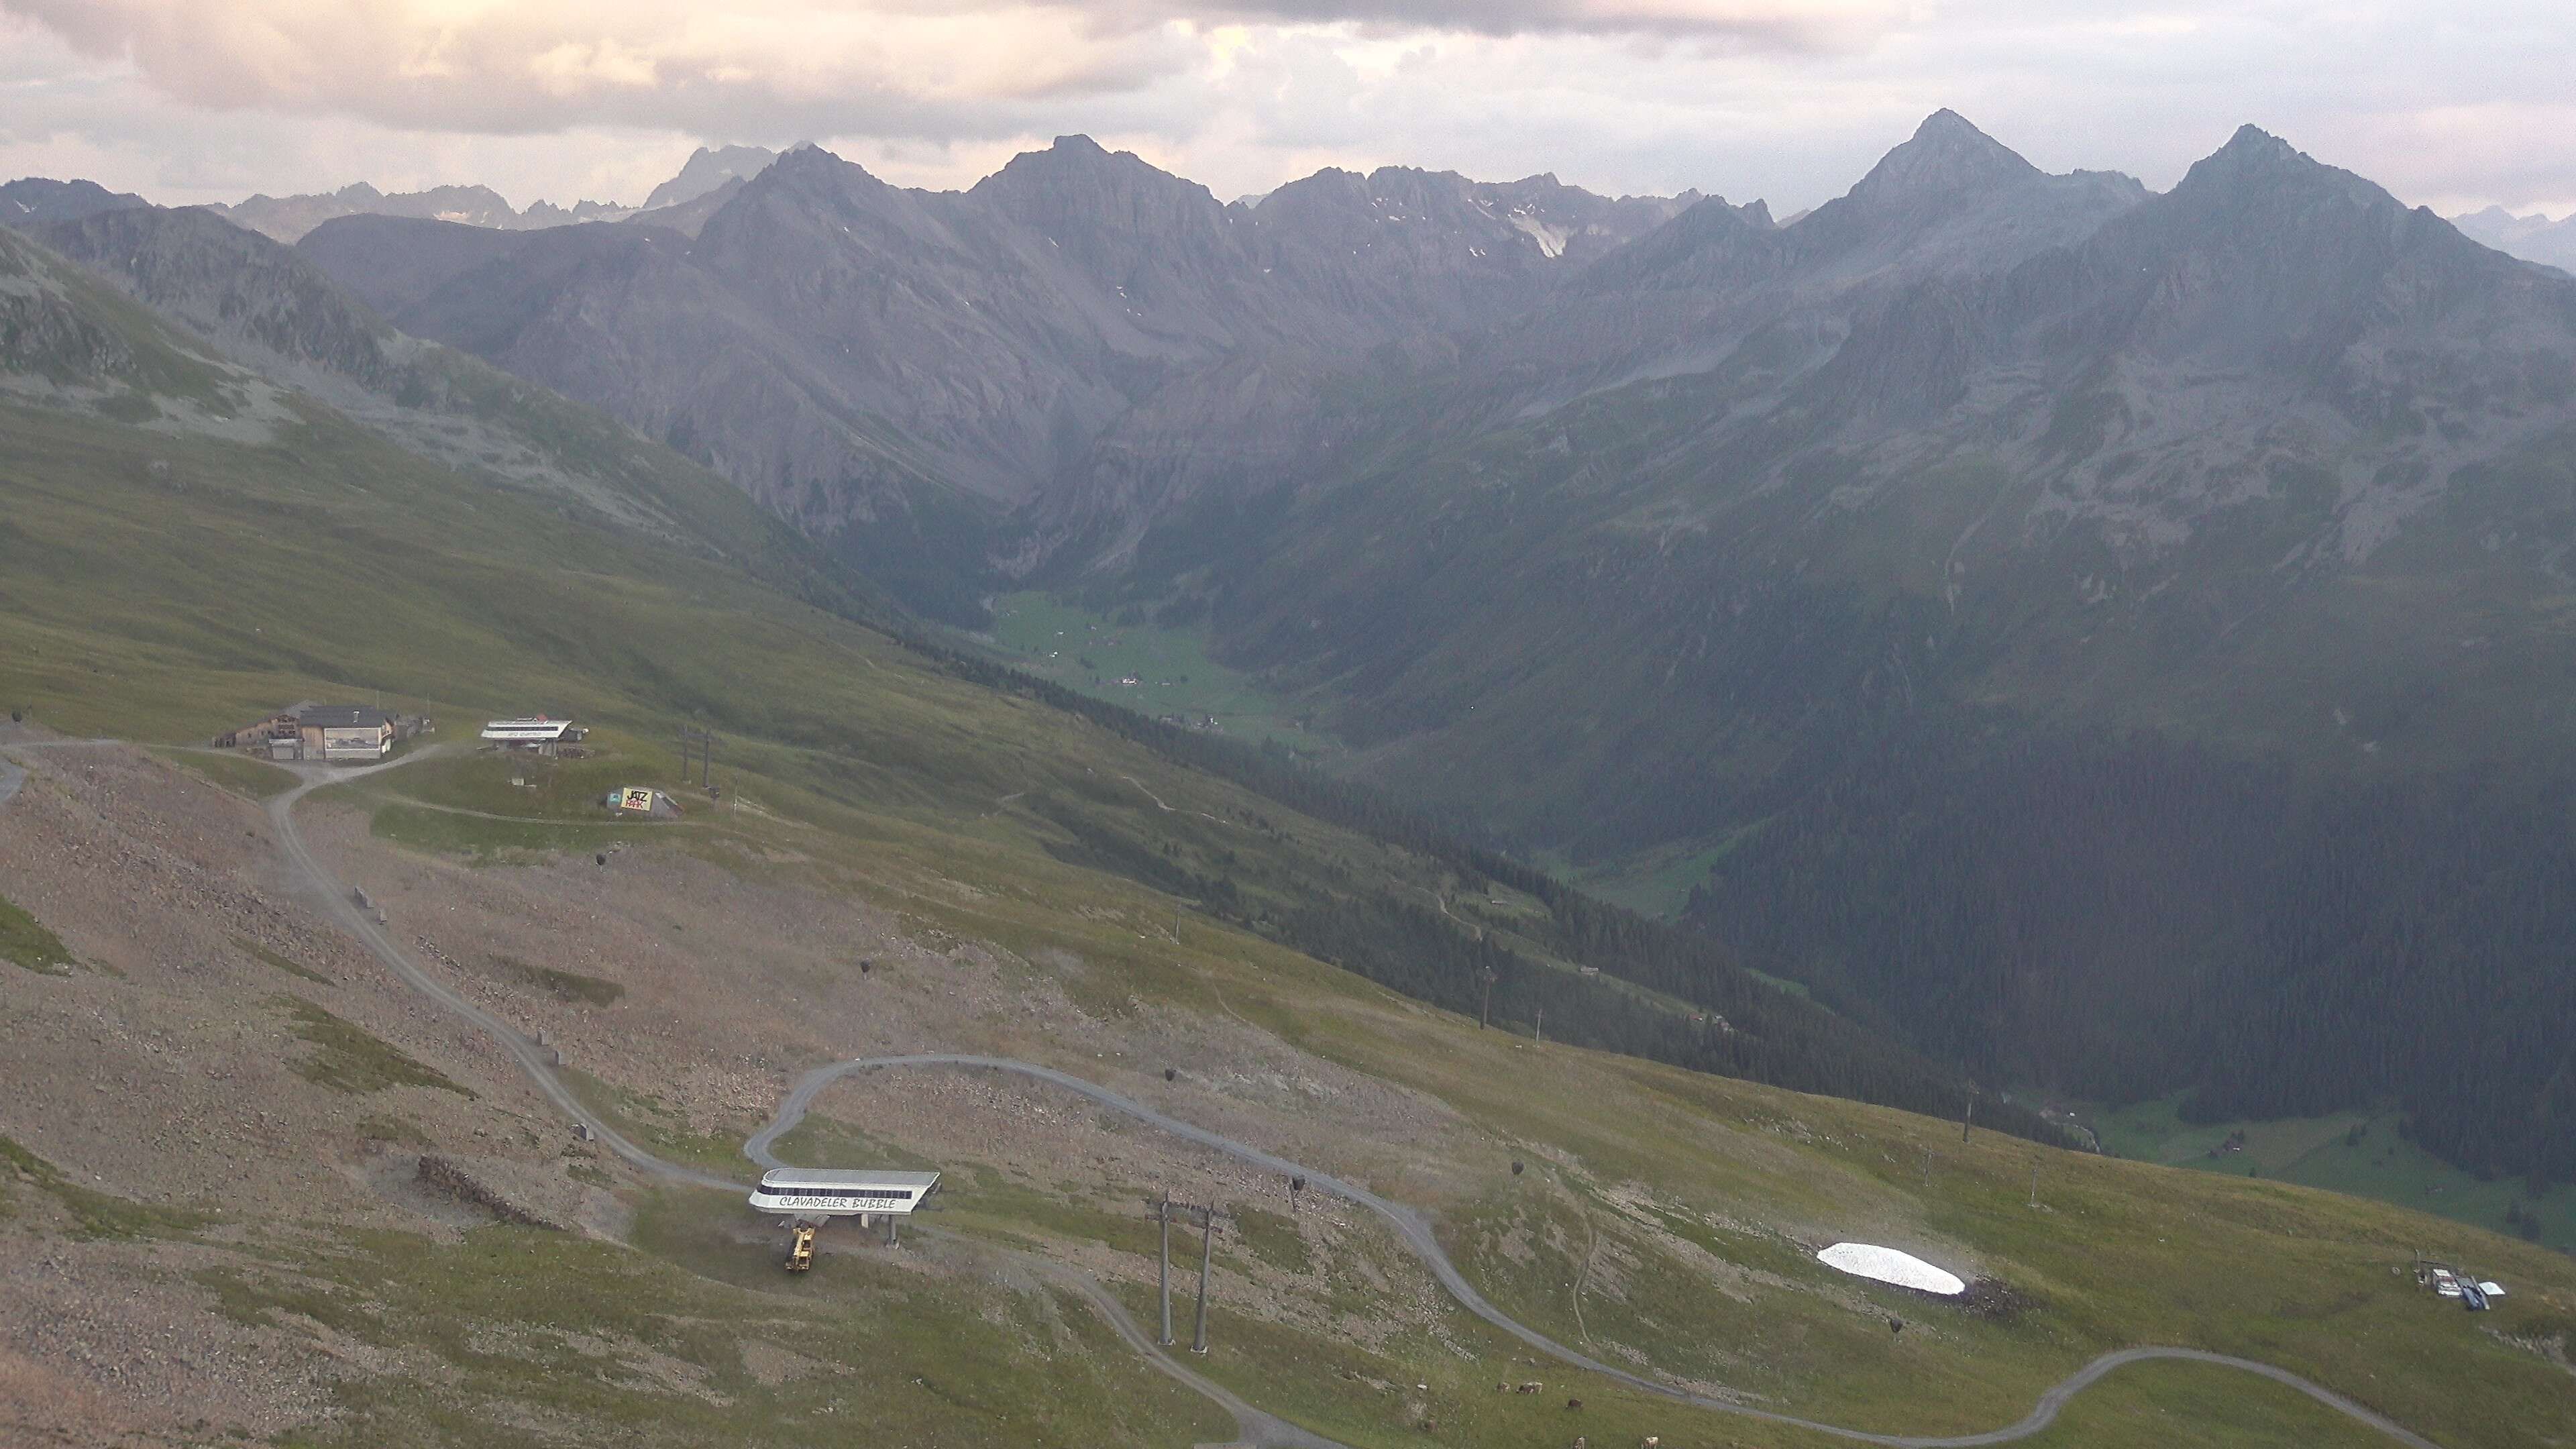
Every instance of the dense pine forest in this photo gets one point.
(1668, 993)
(2125, 919)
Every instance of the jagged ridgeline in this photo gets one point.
(162, 460)
(1982, 558)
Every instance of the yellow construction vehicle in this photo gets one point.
(800, 1253)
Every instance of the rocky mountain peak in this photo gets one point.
(1081, 162)
(2534, 238)
(1710, 243)
(808, 168)
(707, 170)
(1154, 240)
(2253, 146)
(38, 199)
(2259, 170)
(1945, 155)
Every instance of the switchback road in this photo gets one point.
(1257, 1428)
(1415, 1231)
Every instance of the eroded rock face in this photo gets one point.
(456, 1180)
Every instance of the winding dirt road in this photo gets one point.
(535, 1060)
(1416, 1233)
(1252, 1426)
(1256, 1428)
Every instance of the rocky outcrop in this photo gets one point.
(453, 1180)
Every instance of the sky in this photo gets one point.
(2454, 105)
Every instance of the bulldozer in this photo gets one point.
(800, 1252)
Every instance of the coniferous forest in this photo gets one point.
(2129, 919)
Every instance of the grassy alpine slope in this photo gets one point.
(981, 851)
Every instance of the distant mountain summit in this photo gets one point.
(1948, 157)
(708, 169)
(36, 199)
(288, 218)
(2533, 238)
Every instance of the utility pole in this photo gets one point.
(705, 741)
(1538, 1028)
(2034, 1184)
(1164, 1211)
(1207, 1252)
(1485, 1008)
(1160, 1210)
(1971, 1119)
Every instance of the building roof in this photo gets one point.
(341, 716)
(835, 1177)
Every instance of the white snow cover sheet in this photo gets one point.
(1868, 1260)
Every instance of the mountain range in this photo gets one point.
(200, 424)
(908, 371)
(2111, 638)
(2533, 238)
(679, 202)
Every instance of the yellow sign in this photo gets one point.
(635, 797)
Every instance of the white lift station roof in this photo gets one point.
(535, 731)
(1868, 1260)
(808, 1191)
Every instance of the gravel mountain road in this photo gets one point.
(1264, 1431)
(1416, 1233)
(535, 1060)
(1254, 1429)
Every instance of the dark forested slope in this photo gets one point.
(2117, 638)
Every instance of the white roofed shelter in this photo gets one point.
(808, 1194)
(537, 733)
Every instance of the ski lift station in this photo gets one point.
(800, 1195)
(537, 732)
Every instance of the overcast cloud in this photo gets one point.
(2453, 105)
